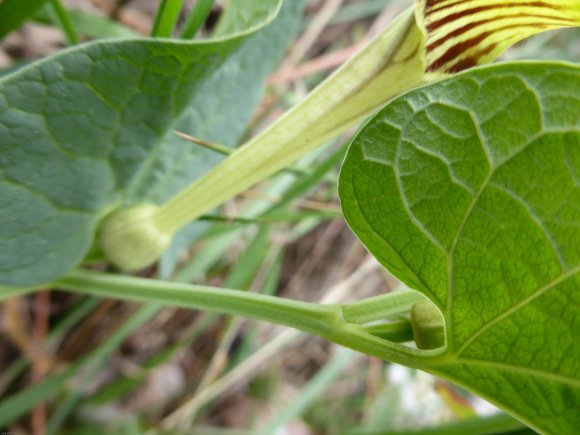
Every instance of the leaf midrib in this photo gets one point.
(517, 306)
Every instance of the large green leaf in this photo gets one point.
(468, 190)
(83, 132)
(14, 12)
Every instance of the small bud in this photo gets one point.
(428, 325)
(131, 239)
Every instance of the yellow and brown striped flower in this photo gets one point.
(465, 33)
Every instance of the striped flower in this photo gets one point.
(465, 33)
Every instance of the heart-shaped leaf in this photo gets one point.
(468, 190)
(81, 130)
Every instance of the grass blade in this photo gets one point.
(16, 405)
(313, 389)
(167, 16)
(196, 18)
(62, 18)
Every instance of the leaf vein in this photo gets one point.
(555, 377)
(550, 285)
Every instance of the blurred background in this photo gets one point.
(117, 367)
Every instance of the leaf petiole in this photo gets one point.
(326, 321)
(381, 307)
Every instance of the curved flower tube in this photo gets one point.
(431, 41)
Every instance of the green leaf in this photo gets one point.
(468, 190)
(14, 12)
(81, 130)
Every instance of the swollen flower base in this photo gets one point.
(131, 238)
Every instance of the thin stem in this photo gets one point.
(230, 381)
(270, 220)
(196, 18)
(309, 317)
(40, 364)
(167, 16)
(234, 220)
(381, 307)
(220, 149)
(310, 391)
(323, 320)
(62, 17)
(397, 332)
(225, 151)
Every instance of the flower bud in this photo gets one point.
(428, 325)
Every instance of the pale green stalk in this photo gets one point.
(326, 321)
(390, 64)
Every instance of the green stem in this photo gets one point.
(225, 151)
(323, 320)
(272, 219)
(302, 315)
(196, 18)
(62, 17)
(167, 16)
(381, 307)
(309, 392)
(397, 332)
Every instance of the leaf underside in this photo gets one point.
(468, 190)
(87, 130)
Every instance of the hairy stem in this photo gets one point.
(326, 321)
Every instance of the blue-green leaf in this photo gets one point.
(81, 130)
